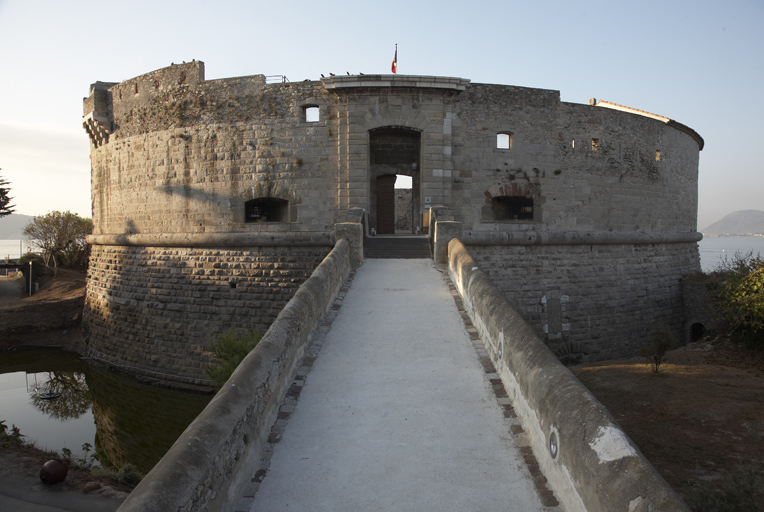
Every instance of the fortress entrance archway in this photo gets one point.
(392, 151)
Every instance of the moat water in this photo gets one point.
(121, 420)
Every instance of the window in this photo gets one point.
(266, 209)
(311, 114)
(504, 140)
(512, 208)
(657, 155)
(595, 144)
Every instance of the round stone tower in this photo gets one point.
(213, 200)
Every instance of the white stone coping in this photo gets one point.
(418, 81)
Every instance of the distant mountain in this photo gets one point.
(12, 226)
(743, 222)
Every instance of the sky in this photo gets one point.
(698, 62)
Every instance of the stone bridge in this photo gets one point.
(402, 385)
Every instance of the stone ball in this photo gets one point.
(53, 472)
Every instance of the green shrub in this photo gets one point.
(663, 340)
(228, 352)
(739, 298)
(737, 493)
(127, 474)
(12, 437)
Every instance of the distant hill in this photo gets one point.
(743, 222)
(12, 226)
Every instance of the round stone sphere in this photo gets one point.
(53, 472)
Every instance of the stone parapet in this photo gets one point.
(589, 461)
(214, 459)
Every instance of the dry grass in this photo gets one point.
(700, 418)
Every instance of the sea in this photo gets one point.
(713, 250)
(12, 249)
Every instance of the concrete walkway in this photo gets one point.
(11, 289)
(397, 412)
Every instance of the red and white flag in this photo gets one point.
(394, 67)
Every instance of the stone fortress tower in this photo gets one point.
(214, 199)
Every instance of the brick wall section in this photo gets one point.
(156, 309)
(592, 302)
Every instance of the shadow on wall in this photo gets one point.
(153, 310)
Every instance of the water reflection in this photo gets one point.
(134, 423)
(62, 395)
(137, 423)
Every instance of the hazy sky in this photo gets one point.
(700, 63)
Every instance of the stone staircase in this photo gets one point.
(397, 247)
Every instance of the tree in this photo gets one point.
(5, 207)
(61, 237)
(740, 298)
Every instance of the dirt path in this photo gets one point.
(49, 318)
(11, 289)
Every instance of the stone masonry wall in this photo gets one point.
(618, 184)
(175, 156)
(156, 310)
(592, 302)
(201, 149)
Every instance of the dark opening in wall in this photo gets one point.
(697, 331)
(512, 208)
(266, 209)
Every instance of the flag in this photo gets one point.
(394, 67)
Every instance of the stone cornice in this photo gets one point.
(577, 237)
(220, 240)
(414, 81)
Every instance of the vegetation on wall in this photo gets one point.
(229, 351)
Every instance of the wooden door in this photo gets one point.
(386, 204)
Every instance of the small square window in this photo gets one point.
(311, 114)
(595, 144)
(657, 155)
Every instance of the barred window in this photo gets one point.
(266, 209)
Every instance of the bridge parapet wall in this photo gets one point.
(588, 459)
(213, 460)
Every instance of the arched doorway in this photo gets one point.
(392, 151)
